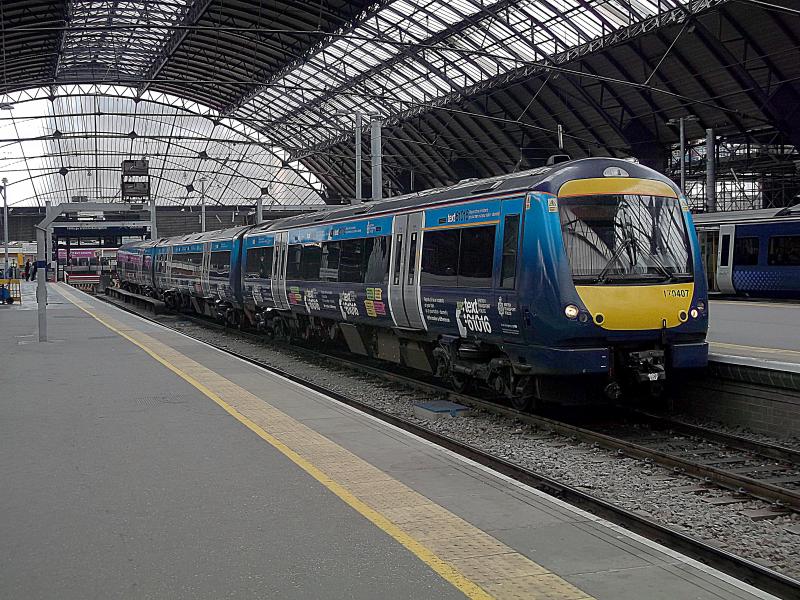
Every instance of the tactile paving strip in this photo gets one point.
(492, 568)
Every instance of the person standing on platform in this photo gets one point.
(33, 272)
(27, 270)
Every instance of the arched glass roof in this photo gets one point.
(465, 88)
(72, 143)
(412, 52)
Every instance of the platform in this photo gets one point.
(137, 462)
(759, 334)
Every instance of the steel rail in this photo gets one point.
(766, 449)
(736, 566)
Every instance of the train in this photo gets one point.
(754, 253)
(553, 285)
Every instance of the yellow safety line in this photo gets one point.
(447, 572)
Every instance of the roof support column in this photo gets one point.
(153, 225)
(711, 173)
(259, 210)
(683, 155)
(358, 158)
(377, 167)
(5, 228)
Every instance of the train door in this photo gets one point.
(709, 248)
(507, 265)
(278, 280)
(725, 259)
(406, 256)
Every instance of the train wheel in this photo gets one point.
(461, 383)
(522, 403)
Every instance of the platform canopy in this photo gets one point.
(464, 88)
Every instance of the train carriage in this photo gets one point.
(588, 267)
(752, 253)
(135, 266)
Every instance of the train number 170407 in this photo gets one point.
(676, 293)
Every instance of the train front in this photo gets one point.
(630, 274)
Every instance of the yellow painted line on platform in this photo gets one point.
(753, 348)
(474, 562)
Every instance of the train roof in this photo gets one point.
(208, 236)
(735, 217)
(542, 179)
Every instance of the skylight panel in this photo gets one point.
(492, 43)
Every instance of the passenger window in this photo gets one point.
(784, 251)
(294, 262)
(412, 258)
(259, 263)
(725, 250)
(220, 264)
(398, 259)
(312, 258)
(476, 257)
(351, 261)
(329, 268)
(745, 251)
(376, 252)
(440, 257)
(508, 269)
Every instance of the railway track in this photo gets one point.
(741, 465)
(749, 571)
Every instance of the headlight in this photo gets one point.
(701, 306)
(695, 313)
(571, 311)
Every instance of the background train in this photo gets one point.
(588, 267)
(753, 252)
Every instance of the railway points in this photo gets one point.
(158, 412)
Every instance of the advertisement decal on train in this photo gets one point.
(473, 308)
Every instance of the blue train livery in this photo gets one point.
(588, 268)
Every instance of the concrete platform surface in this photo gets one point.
(138, 463)
(755, 334)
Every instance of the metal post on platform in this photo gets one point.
(48, 244)
(5, 227)
(259, 210)
(711, 172)
(41, 282)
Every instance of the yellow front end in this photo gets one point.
(637, 307)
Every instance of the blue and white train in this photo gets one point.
(586, 268)
(752, 252)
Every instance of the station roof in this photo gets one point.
(464, 87)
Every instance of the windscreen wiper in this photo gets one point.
(626, 242)
(659, 264)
